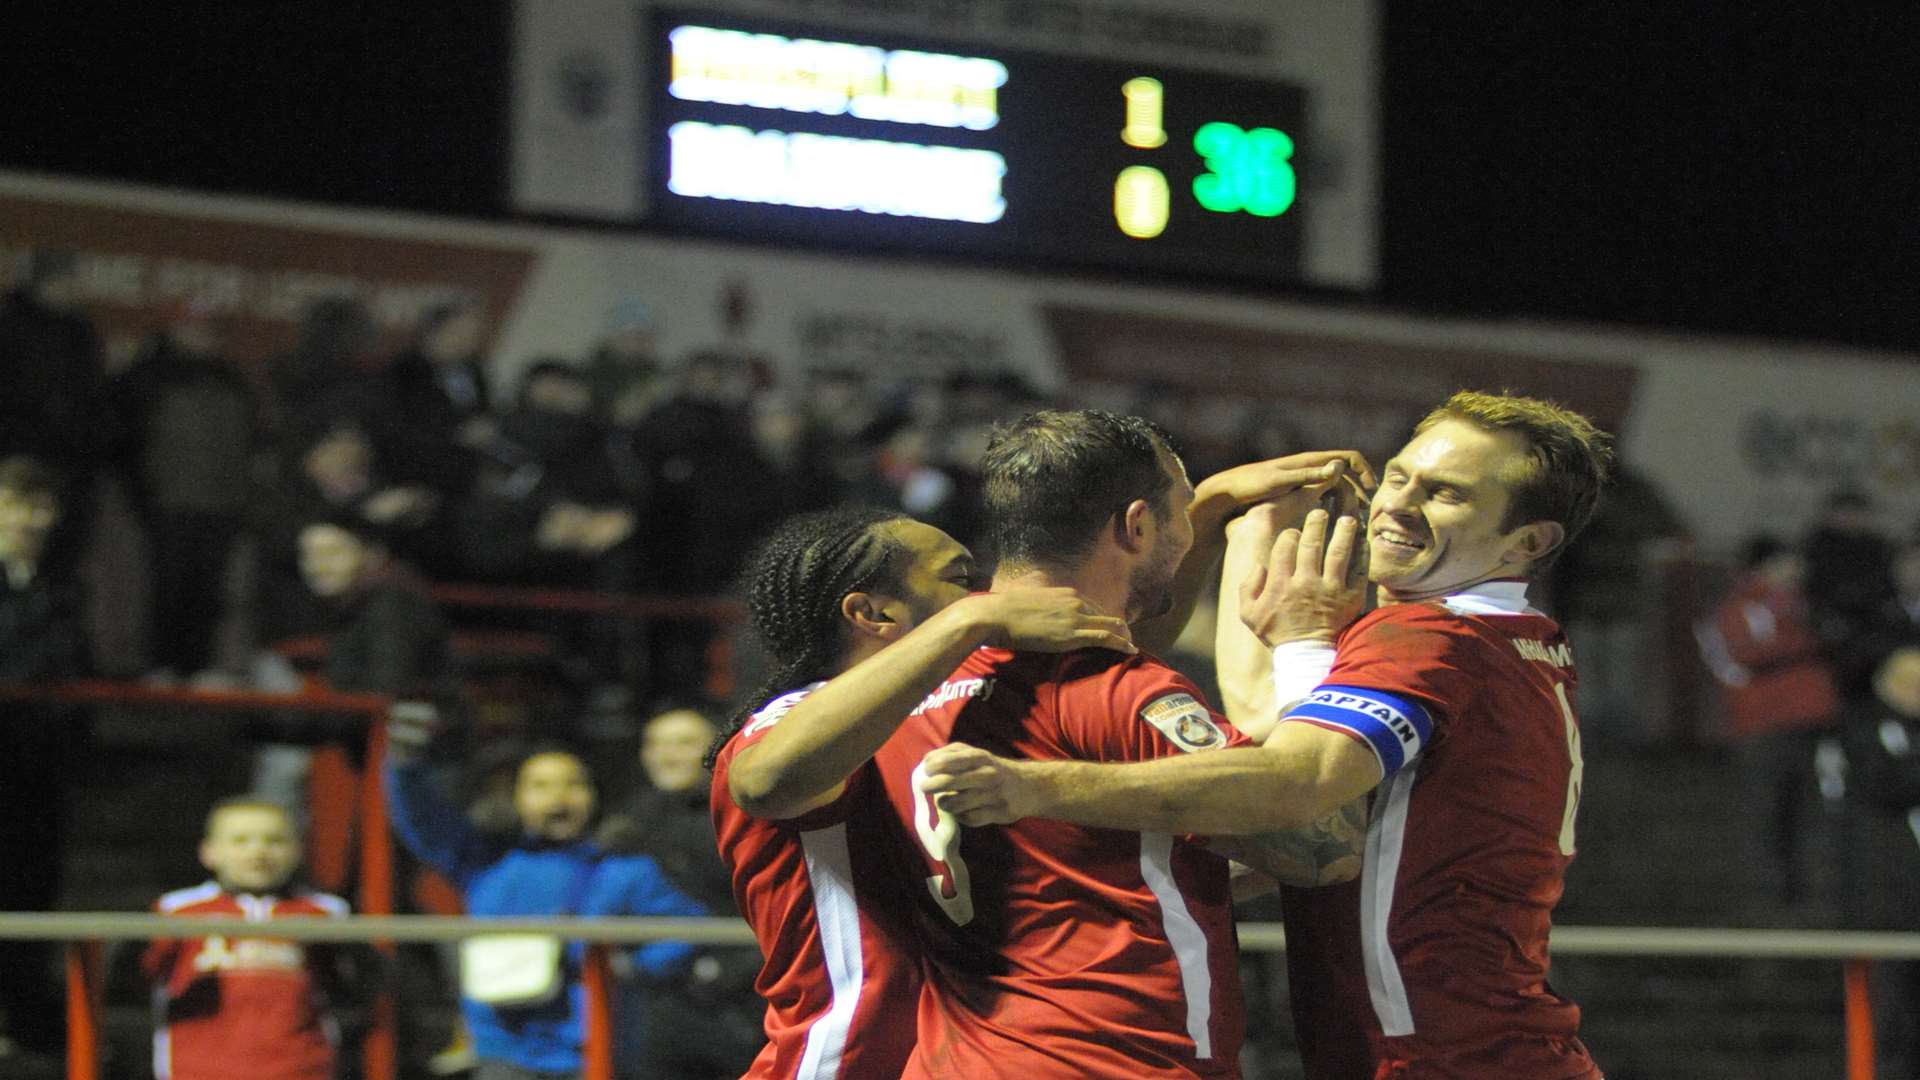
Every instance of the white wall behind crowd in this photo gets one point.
(1743, 436)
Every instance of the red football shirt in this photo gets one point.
(1433, 964)
(831, 915)
(1056, 950)
(227, 1007)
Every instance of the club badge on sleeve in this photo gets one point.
(1185, 721)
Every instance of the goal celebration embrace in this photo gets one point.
(981, 829)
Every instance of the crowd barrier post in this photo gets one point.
(598, 978)
(83, 1009)
(1859, 1020)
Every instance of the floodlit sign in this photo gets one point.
(832, 172)
(768, 71)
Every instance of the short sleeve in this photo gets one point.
(1395, 680)
(819, 817)
(1137, 709)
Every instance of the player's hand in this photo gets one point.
(1292, 483)
(1052, 619)
(1313, 581)
(978, 788)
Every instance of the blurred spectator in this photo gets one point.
(52, 407)
(1780, 702)
(522, 997)
(708, 1026)
(1849, 584)
(712, 495)
(393, 640)
(51, 368)
(41, 639)
(189, 430)
(322, 379)
(566, 502)
(1883, 742)
(624, 370)
(1607, 588)
(333, 476)
(255, 1007)
(431, 425)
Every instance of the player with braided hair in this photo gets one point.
(798, 813)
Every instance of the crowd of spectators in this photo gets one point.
(319, 497)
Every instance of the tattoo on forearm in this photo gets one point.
(1324, 852)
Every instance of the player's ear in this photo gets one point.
(1130, 526)
(871, 613)
(1535, 541)
(205, 859)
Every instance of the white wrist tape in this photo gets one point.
(1298, 667)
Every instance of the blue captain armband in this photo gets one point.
(1397, 727)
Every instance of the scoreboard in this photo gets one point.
(763, 130)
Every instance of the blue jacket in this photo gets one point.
(534, 878)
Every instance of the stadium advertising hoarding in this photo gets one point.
(1210, 141)
(1743, 436)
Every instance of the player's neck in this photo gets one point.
(1388, 595)
(1106, 591)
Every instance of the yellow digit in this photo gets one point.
(1140, 201)
(1146, 101)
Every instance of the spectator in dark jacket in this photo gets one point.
(1883, 744)
(41, 640)
(190, 430)
(394, 641)
(52, 409)
(706, 1026)
(50, 365)
(1849, 582)
(431, 425)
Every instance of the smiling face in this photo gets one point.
(250, 849)
(554, 797)
(1437, 524)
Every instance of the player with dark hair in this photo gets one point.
(1449, 703)
(1056, 950)
(796, 807)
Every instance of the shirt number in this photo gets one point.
(939, 832)
(1573, 774)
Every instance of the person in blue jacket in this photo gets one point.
(530, 1025)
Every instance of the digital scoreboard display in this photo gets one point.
(849, 140)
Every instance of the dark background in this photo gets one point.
(1729, 167)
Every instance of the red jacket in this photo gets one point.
(240, 1007)
(1761, 647)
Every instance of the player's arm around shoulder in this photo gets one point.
(803, 762)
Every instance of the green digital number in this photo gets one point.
(1247, 170)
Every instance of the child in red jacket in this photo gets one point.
(243, 1008)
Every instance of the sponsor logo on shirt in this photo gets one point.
(1184, 720)
(248, 954)
(954, 690)
(1559, 655)
(774, 710)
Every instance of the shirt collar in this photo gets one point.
(1504, 596)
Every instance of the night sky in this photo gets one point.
(1726, 167)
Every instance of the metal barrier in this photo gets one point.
(84, 933)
